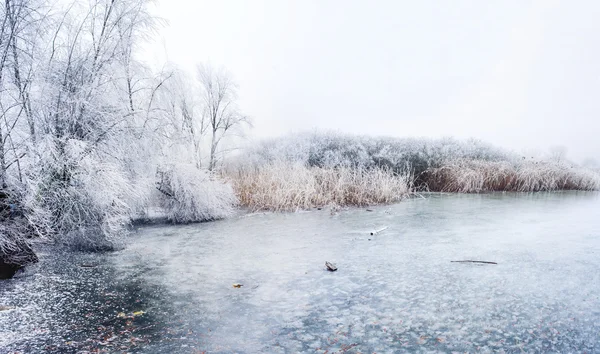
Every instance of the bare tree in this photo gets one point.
(21, 26)
(91, 94)
(181, 122)
(221, 114)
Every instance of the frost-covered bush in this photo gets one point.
(84, 197)
(401, 155)
(15, 250)
(188, 194)
(15, 232)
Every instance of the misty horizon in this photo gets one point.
(520, 75)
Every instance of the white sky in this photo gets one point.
(520, 74)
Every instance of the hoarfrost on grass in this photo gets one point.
(292, 186)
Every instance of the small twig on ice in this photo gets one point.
(378, 231)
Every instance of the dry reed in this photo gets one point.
(472, 176)
(287, 186)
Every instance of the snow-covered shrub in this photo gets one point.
(84, 198)
(15, 250)
(414, 155)
(15, 233)
(188, 194)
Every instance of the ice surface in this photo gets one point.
(395, 291)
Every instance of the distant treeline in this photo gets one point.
(316, 169)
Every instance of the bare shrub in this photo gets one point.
(284, 186)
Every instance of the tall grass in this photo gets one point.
(472, 176)
(287, 186)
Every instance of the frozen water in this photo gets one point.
(395, 291)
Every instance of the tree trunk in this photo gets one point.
(213, 149)
(2, 161)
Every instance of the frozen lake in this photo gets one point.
(394, 292)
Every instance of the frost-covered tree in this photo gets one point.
(220, 111)
(85, 111)
(22, 26)
(90, 137)
(178, 118)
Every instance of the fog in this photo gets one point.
(520, 74)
